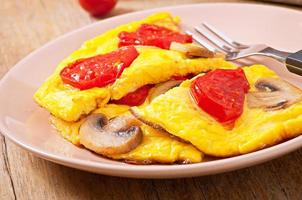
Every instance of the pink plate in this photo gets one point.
(22, 121)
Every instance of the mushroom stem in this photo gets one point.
(273, 94)
(109, 137)
(192, 50)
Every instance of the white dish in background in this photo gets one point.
(25, 123)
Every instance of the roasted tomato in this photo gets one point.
(153, 35)
(135, 98)
(221, 93)
(100, 70)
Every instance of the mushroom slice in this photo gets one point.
(192, 50)
(164, 87)
(117, 136)
(273, 94)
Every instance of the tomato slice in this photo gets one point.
(135, 98)
(221, 93)
(100, 70)
(153, 35)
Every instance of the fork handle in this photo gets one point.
(294, 62)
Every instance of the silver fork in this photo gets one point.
(234, 50)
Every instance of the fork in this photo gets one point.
(234, 50)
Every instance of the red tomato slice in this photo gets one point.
(221, 93)
(135, 98)
(100, 70)
(153, 35)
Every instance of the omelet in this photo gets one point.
(153, 65)
(69, 103)
(155, 147)
(256, 128)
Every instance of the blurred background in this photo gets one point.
(39, 21)
(124, 6)
(26, 25)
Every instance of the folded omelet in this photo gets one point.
(155, 147)
(70, 103)
(153, 65)
(256, 128)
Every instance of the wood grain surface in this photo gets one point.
(25, 25)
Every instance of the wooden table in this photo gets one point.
(26, 25)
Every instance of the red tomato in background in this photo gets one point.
(98, 8)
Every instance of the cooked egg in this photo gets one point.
(153, 65)
(69, 103)
(156, 146)
(256, 128)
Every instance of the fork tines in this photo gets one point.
(214, 40)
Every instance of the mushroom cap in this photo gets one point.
(108, 137)
(273, 94)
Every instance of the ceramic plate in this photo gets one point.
(25, 123)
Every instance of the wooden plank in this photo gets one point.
(42, 178)
(6, 182)
(27, 25)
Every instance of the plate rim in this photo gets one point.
(196, 169)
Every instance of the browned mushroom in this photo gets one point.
(164, 87)
(192, 50)
(273, 94)
(109, 137)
